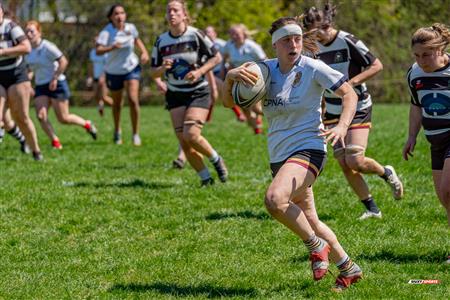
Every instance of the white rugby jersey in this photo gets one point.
(249, 51)
(349, 56)
(188, 51)
(11, 35)
(122, 60)
(431, 92)
(43, 61)
(293, 106)
(98, 62)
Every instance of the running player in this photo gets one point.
(296, 144)
(219, 44)
(238, 50)
(14, 78)
(178, 54)
(345, 53)
(7, 123)
(48, 64)
(429, 84)
(122, 68)
(97, 80)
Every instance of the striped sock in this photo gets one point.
(314, 244)
(214, 157)
(347, 267)
(17, 134)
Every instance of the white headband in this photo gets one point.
(289, 29)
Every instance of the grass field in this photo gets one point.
(97, 220)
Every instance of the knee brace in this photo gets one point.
(197, 123)
(355, 150)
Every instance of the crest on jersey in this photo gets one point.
(338, 57)
(297, 79)
(419, 84)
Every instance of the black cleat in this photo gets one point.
(178, 163)
(207, 182)
(38, 156)
(221, 169)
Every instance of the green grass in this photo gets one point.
(97, 220)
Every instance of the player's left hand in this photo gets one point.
(335, 134)
(53, 84)
(193, 76)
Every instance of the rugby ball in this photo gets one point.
(245, 95)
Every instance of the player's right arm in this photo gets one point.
(415, 122)
(241, 74)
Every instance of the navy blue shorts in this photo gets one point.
(62, 91)
(116, 82)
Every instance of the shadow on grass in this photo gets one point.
(389, 256)
(172, 289)
(247, 214)
(135, 183)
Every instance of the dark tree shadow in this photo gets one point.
(246, 214)
(208, 290)
(389, 256)
(135, 183)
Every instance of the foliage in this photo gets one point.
(101, 221)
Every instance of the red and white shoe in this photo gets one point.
(56, 144)
(319, 262)
(343, 282)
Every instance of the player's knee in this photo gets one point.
(276, 202)
(354, 157)
(41, 115)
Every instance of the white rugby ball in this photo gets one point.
(245, 95)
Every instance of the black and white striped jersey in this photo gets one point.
(349, 56)
(431, 92)
(189, 51)
(11, 35)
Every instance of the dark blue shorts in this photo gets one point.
(116, 82)
(62, 91)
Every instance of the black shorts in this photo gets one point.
(196, 98)
(61, 93)
(440, 149)
(17, 75)
(362, 119)
(311, 159)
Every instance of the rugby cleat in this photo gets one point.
(221, 169)
(117, 138)
(343, 282)
(178, 163)
(91, 129)
(37, 156)
(137, 140)
(207, 182)
(56, 144)
(396, 185)
(370, 214)
(319, 262)
(24, 148)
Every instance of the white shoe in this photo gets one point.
(137, 140)
(395, 183)
(370, 214)
(448, 260)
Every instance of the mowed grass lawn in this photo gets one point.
(97, 220)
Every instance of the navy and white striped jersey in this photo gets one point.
(188, 51)
(431, 92)
(11, 35)
(349, 56)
